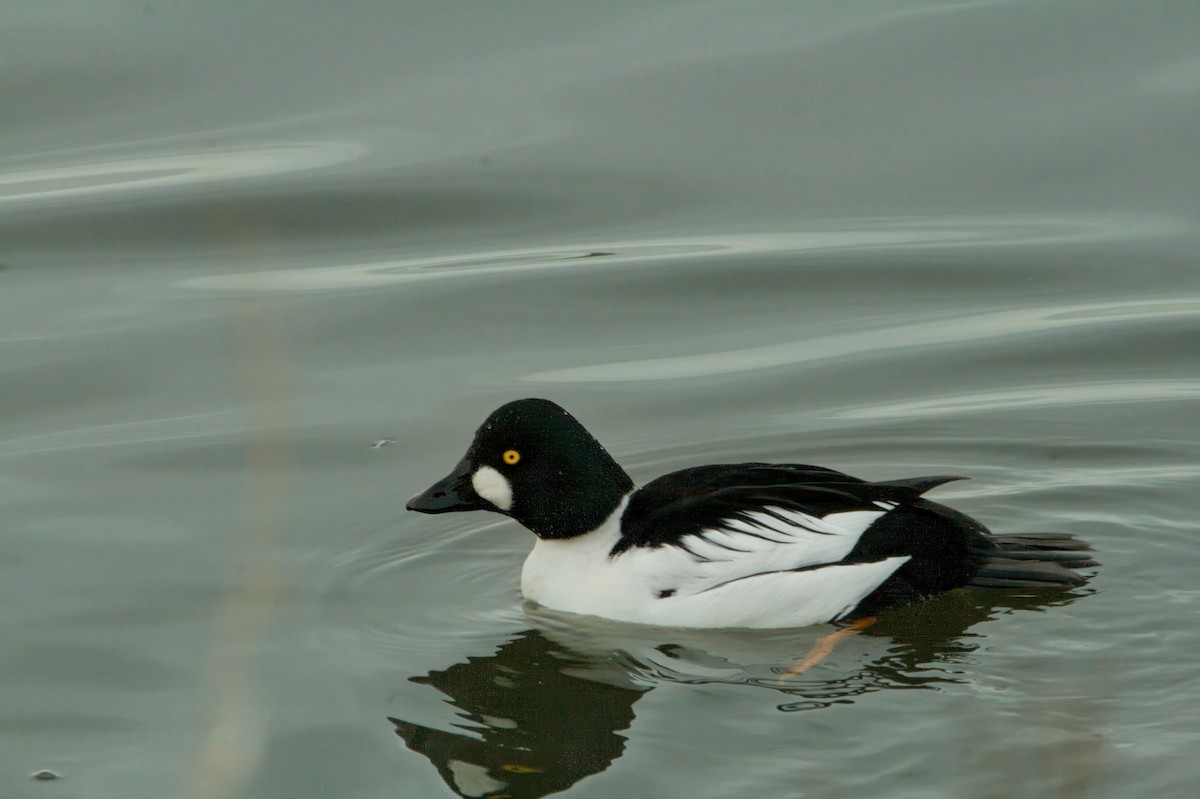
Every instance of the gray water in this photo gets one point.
(267, 266)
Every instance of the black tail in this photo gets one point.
(1032, 560)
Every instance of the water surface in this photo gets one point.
(263, 270)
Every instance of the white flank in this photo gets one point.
(777, 599)
(770, 571)
(492, 486)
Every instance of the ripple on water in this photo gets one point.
(58, 183)
(954, 331)
(435, 583)
(870, 234)
(348, 276)
(1074, 394)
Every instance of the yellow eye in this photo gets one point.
(511, 456)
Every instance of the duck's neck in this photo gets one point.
(581, 501)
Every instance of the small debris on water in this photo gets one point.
(383, 442)
(46, 775)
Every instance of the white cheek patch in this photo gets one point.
(492, 486)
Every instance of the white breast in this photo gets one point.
(575, 574)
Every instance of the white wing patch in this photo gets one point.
(769, 568)
(772, 539)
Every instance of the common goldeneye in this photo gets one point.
(732, 545)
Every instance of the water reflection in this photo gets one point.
(538, 720)
(546, 709)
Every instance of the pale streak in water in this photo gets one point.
(948, 332)
(1029, 397)
(142, 431)
(120, 175)
(866, 234)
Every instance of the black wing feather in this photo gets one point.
(922, 484)
(667, 510)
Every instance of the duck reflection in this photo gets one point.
(539, 716)
(547, 708)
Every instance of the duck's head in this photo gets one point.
(533, 461)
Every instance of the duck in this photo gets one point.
(739, 545)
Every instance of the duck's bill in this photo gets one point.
(452, 493)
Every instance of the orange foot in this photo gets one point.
(821, 649)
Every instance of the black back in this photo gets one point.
(685, 502)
